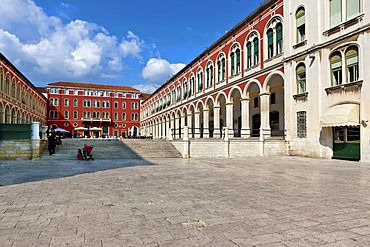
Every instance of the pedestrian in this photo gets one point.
(51, 142)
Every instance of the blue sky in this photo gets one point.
(139, 43)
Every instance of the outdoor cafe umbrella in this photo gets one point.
(81, 128)
(60, 130)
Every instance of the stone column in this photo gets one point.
(205, 123)
(35, 131)
(230, 118)
(216, 120)
(182, 120)
(197, 126)
(190, 125)
(265, 130)
(246, 133)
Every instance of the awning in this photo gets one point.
(341, 115)
(80, 128)
(95, 128)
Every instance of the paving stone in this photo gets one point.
(261, 202)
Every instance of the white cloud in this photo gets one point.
(158, 70)
(146, 88)
(46, 46)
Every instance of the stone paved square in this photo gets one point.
(259, 201)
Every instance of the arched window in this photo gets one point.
(256, 51)
(301, 25)
(123, 116)
(336, 68)
(7, 85)
(192, 86)
(270, 43)
(249, 54)
(235, 60)
(75, 115)
(75, 102)
(352, 64)
(200, 80)
(209, 75)
(13, 88)
(66, 102)
(66, 114)
(184, 89)
(279, 38)
(221, 68)
(301, 78)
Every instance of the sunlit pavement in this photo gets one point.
(259, 201)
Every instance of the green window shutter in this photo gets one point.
(256, 46)
(232, 59)
(335, 12)
(249, 49)
(301, 69)
(279, 32)
(238, 56)
(353, 8)
(270, 37)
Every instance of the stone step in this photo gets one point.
(115, 149)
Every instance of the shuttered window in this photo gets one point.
(256, 50)
(352, 64)
(301, 78)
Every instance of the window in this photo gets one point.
(135, 96)
(301, 78)
(134, 117)
(13, 88)
(54, 91)
(178, 93)
(301, 25)
(75, 115)
(270, 43)
(75, 103)
(66, 114)
(66, 102)
(200, 80)
(352, 64)
(134, 105)
(54, 102)
(221, 68)
(235, 60)
(123, 95)
(336, 68)
(115, 116)
(256, 51)
(96, 103)
(53, 114)
(343, 10)
(184, 89)
(115, 104)
(209, 74)
(7, 84)
(301, 124)
(279, 38)
(123, 105)
(123, 116)
(191, 87)
(249, 54)
(87, 103)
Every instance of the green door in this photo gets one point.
(346, 143)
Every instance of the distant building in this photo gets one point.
(20, 101)
(96, 110)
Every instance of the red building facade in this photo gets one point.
(20, 101)
(94, 110)
(237, 83)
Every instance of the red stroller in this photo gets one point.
(86, 151)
